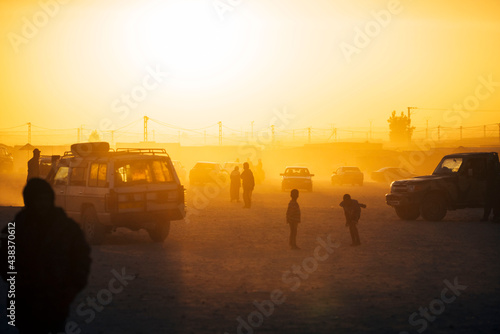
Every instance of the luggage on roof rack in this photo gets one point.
(86, 149)
(152, 151)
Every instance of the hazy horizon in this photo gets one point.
(238, 65)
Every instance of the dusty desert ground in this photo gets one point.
(214, 268)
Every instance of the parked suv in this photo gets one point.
(133, 188)
(459, 181)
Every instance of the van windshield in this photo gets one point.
(142, 172)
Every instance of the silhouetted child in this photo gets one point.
(293, 217)
(352, 211)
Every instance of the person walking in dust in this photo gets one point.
(34, 165)
(234, 189)
(52, 261)
(248, 184)
(352, 212)
(293, 218)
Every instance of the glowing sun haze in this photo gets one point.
(192, 64)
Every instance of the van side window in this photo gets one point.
(77, 177)
(161, 171)
(61, 177)
(98, 173)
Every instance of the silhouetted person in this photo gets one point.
(235, 184)
(248, 184)
(52, 261)
(489, 196)
(260, 175)
(293, 218)
(352, 212)
(34, 165)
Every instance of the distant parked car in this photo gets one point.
(348, 175)
(229, 166)
(389, 174)
(296, 177)
(6, 160)
(206, 172)
(180, 169)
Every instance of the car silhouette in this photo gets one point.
(207, 172)
(296, 177)
(347, 175)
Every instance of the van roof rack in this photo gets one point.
(152, 151)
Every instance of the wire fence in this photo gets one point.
(219, 134)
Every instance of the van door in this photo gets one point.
(75, 196)
(60, 185)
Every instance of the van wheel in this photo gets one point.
(93, 230)
(160, 231)
(407, 212)
(433, 208)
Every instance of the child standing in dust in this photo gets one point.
(352, 211)
(293, 217)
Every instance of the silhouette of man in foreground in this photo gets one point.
(352, 212)
(235, 184)
(34, 165)
(293, 217)
(51, 260)
(248, 183)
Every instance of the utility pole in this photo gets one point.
(220, 133)
(409, 113)
(146, 128)
(29, 133)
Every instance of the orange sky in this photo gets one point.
(79, 64)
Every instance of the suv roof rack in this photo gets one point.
(152, 151)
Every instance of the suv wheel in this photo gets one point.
(159, 232)
(93, 230)
(407, 212)
(433, 208)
